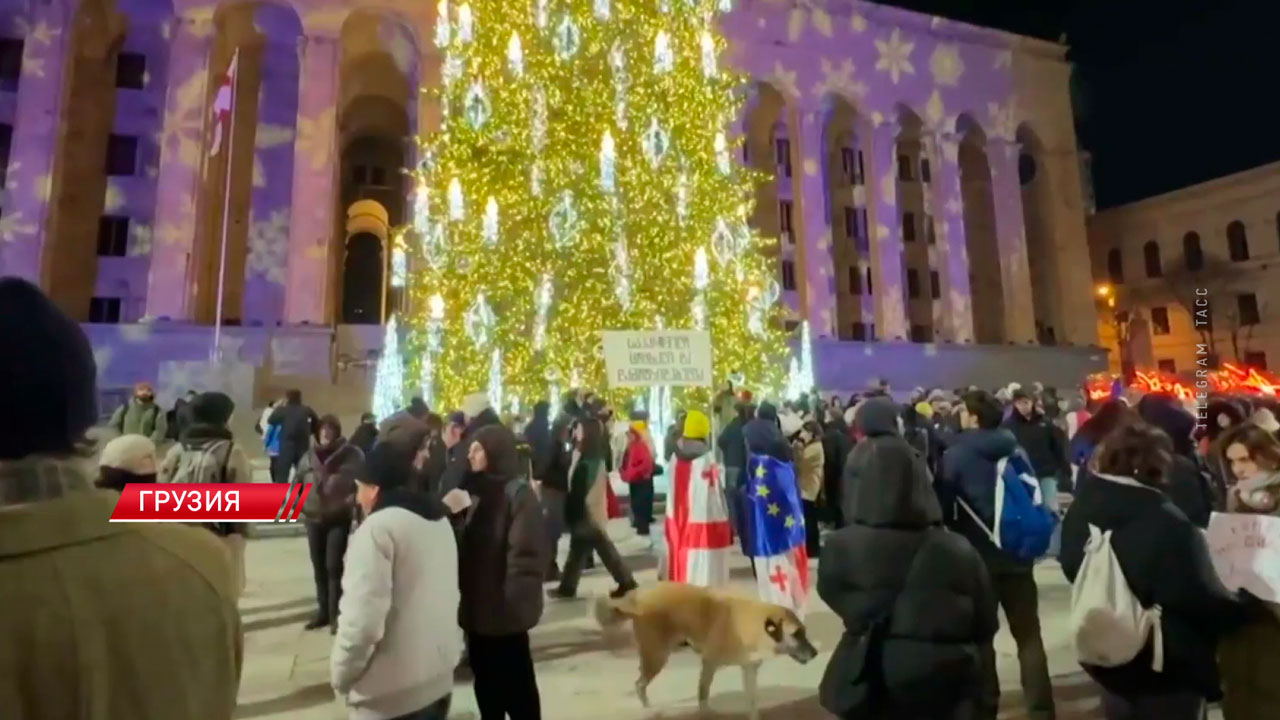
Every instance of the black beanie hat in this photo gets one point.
(212, 408)
(49, 374)
(387, 466)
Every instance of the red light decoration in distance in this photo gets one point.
(1229, 379)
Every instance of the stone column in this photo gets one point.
(946, 205)
(1011, 238)
(183, 147)
(35, 141)
(266, 267)
(813, 222)
(886, 235)
(315, 175)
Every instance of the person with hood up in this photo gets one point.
(969, 474)
(207, 453)
(477, 413)
(365, 435)
(114, 621)
(503, 555)
(127, 459)
(836, 447)
(141, 416)
(1185, 485)
(697, 534)
(398, 639)
(1166, 563)
(179, 417)
(637, 469)
(1249, 658)
(878, 422)
(764, 434)
(299, 425)
(894, 570)
(331, 467)
(586, 513)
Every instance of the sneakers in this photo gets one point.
(561, 594)
(622, 590)
(316, 623)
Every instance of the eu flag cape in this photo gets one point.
(775, 539)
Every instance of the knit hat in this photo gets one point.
(212, 408)
(925, 409)
(144, 388)
(474, 404)
(50, 377)
(696, 425)
(134, 454)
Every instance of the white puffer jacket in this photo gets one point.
(398, 640)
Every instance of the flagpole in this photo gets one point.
(216, 355)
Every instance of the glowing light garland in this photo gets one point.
(388, 388)
(1228, 379)
(615, 223)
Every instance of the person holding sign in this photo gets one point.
(1249, 659)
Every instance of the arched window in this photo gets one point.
(1237, 242)
(1151, 259)
(1115, 266)
(1192, 254)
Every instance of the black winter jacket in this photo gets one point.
(298, 427)
(1166, 562)
(942, 607)
(1041, 440)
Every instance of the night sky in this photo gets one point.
(1166, 94)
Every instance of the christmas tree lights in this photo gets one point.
(388, 389)
(589, 141)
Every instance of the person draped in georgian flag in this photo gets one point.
(775, 541)
(697, 529)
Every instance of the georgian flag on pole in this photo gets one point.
(697, 528)
(775, 538)
(223, 103)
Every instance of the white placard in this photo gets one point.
(644, 358)
(1246, 552)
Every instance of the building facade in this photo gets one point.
(925, 180)
(1192, 274)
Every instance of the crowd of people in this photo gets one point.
(434, 538)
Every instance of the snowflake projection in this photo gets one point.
(895, 56)
(269, 246)
(945, 64)
(139, 240)
(858, 23)
(12, 226)
(316, 138)
(935, 112)
(838, 80)
(1003, 119)
(806, 13)
(783, 80)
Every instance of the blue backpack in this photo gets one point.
(1023, 525)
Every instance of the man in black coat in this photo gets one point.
(299, 425)
(1046, 448)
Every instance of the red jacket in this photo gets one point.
(637, 461)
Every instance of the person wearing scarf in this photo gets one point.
(332, 467)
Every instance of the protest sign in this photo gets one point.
(644, 358)
(1246, 552)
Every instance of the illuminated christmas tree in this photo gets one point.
(388, 388)
(583, 179)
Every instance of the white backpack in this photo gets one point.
(1110, 626)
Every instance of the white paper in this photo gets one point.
(457, 500)
(1246, 552)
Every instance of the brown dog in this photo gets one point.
(724, 629)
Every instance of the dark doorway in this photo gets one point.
(362, 281)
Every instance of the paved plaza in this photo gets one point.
(581, 674)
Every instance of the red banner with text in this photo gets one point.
(211, 503)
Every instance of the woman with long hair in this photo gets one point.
(1166, 561)
(1109, 416)
(586, 512)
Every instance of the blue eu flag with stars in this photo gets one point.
(773, 507)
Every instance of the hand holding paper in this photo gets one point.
(457, 500)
